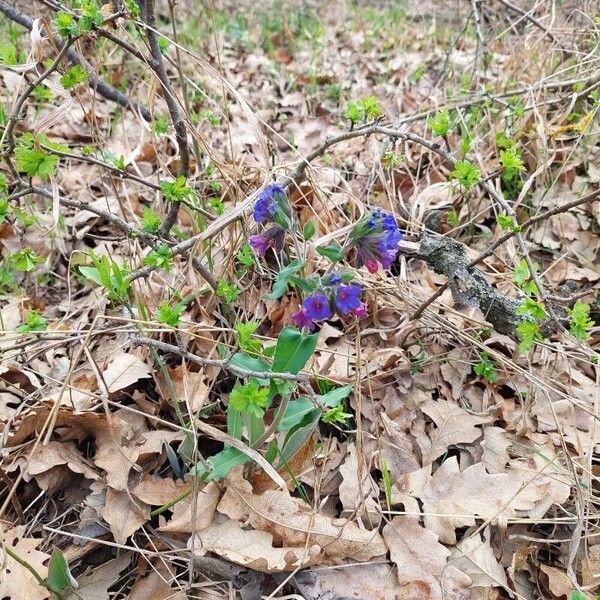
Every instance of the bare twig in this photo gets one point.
(172, 105)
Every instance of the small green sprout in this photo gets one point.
(466, 173)
(249, 398)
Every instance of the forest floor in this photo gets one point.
(166, 433)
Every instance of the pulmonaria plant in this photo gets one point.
(375, 239)
(271, 206)
(333, 296)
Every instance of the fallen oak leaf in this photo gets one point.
(454, 425)
(422, 562)
(123, 515)
(251, 548)
(124, 370)
(94, 584)
(294, 524)
(184, 521)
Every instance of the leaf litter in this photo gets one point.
(492, 488)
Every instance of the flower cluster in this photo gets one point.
(376, 238)
(271, 206)
(335, 295)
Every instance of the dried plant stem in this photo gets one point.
(179, 125)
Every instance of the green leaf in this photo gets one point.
(33, 322)
(35, 162)
(169, 315)
(335, 396)
(282, 280)
(297, 436)
(308, 230)
(440, 124)
(74, 76)
(234, 423)
(485, 368)
(244, 361)
(221, 463)
(577, 595)
(466, 173)
(296, 412)
(508, 223)
(528, 332)
(25, 260)
(176, 190)
(333, 252)
(511, 160)
(228, 292)
(532, 308)
(293, 350)
(59, 575)
(581, 322)
(249, 398)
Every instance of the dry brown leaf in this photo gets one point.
(452, 498)
(157, 585)
(158, 491)
(206, 503)
(360, 582)
(454, 425)
(16, 582)
(475, 557)
(190, 387)
(251, 548)
(495, 446)
(124, 370)
(124, 515)
(556, 582)
(293, 523)
(421, 561)
(358, 496)
(93, 585)
(54, 454)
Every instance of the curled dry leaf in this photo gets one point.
(372, 581)
(94, 584)
(474, 556)
(357, 490)
(294, 524)
(157, 491)
(452, 498)
(252, 548)
(454, 425)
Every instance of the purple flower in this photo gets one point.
(360, 311)
(300, 319)
(347, 298)
(376, 238)
(274, 237)
(267, 203)
(317, 307)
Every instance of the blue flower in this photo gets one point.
(268, 203)
(317, 307)
(376, 238)
(347, 298)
